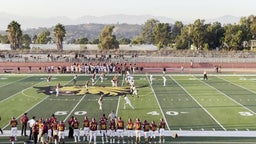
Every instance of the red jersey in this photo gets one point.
(93, 125)
(153, 127)
(146, 126)
(24, 119)
(103, 125)
(137, 125)
(13, 123)
(53, 119)
(35, 128)
(70, 121)
(86, 123)
(54, 126)
(45, 129)
(162, 125)
(130, 125)
(120, 124)
(61, 127)
(105, 118)
(112, 125)
(75, 124)
(48, 124)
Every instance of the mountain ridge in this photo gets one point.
(28, 22)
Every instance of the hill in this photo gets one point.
(90, 31)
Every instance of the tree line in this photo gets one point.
(199, 35)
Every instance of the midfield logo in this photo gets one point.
(81, 90)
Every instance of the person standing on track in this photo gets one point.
(153, 128)
(24, 120)
(205, 76)
(70, 128)
(93, 130)
(130, 131)
(120, 130)
(13, 123)
(112, 130)
(61, 131)
(86, 126)
(35, 132)
(31, 122)
(146, 128)
(75, 126)
(138, 126)
(103, 129)
(161, 130)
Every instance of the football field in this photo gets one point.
(222, 106)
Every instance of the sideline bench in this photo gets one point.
(8, 70)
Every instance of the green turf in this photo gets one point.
(186, 102)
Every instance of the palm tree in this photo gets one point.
(14, 35)
(59, 33)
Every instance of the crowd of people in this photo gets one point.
(90, 68)
(108, 129)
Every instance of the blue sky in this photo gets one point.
(177, 9)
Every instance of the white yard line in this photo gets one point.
(228, 97)
(97, 99)
(20, 92)
(119, 98)
(200, 105)
(74, 108)
(167, 125)
(14, 81)
(29, 109)
(26, 95)
(238, 85)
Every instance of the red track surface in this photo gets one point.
(148, 67)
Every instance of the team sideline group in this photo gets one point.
(111, 129)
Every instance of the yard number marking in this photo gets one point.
(245, 113)
(78, 113)
(172, 113)
(153, 113)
